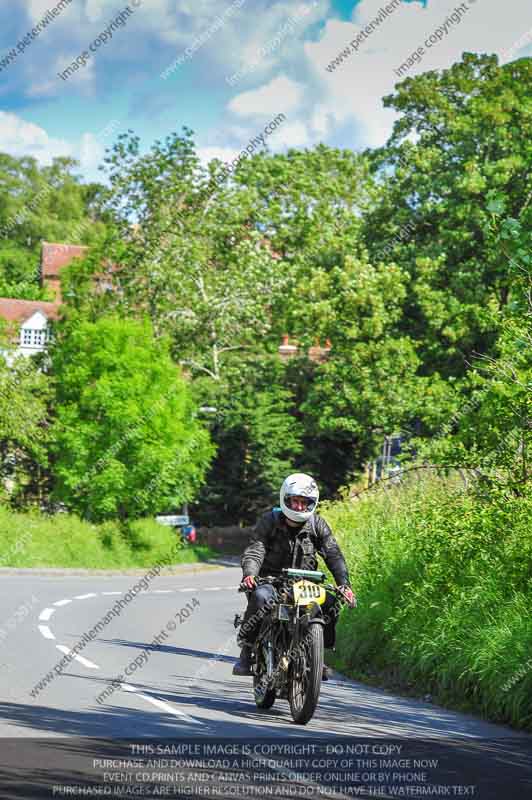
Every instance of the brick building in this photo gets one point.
(28, 322)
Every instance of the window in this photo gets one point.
(34, 337)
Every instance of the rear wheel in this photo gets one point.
(305, 676)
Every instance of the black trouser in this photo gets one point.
(259, 603)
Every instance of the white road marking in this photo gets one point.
(162, 705)
(46, 613)
(84, 661)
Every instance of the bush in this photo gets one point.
(444, 583)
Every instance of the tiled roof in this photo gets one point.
(21, 310)
(55, 256)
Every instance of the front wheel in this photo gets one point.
(264, 695)
(305, 676)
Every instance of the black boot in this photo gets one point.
(243, 665)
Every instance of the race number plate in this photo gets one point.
(306, 592)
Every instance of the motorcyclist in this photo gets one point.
(289, 536)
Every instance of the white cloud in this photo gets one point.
(36, 9)
(320, 120)
(206, 154)
(279, 95)
(94, 9)
(91, 152)
(292, 77)
(47, 84)
(285, 135)
(281, 27)
(353, 91)
(293, 134)
(20, 138)
(519, 48)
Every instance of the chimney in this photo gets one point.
(287, 350)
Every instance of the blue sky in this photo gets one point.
(121, 86)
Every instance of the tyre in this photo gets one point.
(305, 676)
(264, 695)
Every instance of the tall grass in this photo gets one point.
(444, 582)
(63, 540)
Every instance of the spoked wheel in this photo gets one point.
(306, 671)
(264, 695)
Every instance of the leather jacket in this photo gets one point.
(275, 544)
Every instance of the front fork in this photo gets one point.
(269, 657)
(313, 616)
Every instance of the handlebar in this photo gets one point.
(276, 580)
(273, 579)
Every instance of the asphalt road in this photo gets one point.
(182, 688)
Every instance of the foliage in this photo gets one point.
(223, 268)
(368, 385)
(64, 540)
(492, 433)
(412, 259)
(444, 588)
(40, 203)
(24, 392)
(192, 262)
(309, 205)
(455, 168)
(126, 440)
(258, 441)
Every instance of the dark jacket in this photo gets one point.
(275, 544)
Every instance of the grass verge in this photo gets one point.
(63, 540)
(444, 584)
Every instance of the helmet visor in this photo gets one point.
(298, 502)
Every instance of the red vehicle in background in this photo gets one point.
(188, 532)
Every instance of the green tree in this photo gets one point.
(224, 266)
(369, 386)
(24, 420)
(193, 262)
(309, 206)
(126, 439)
(456, 166)
(490, 431)
(41, 203)
(258, 440)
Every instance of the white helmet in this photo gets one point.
(303, 486)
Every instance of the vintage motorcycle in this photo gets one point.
(287, 657)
